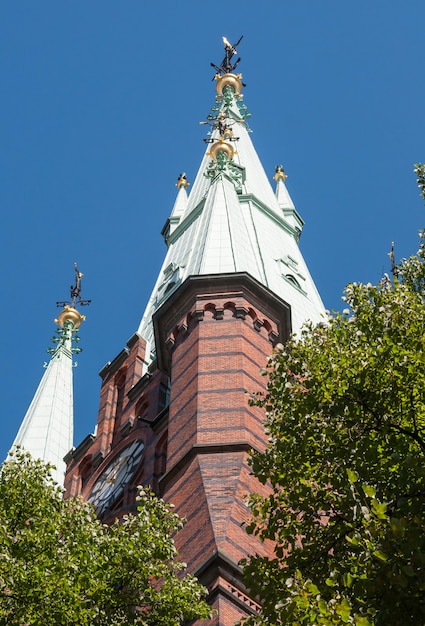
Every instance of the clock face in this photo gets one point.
(111, 483)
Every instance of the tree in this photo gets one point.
(60, 565)
(419, 170)
(345, 408)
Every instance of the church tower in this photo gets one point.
(174, 411)
(47, 429)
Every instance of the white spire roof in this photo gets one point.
(178, 209)
(284, 200)
(47, 428)
(235, 222)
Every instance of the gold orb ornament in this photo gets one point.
(68, 314)
(234, 80)
(221, 146)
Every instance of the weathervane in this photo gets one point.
(226, 66)
(75, 291)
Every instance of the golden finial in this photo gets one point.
(234, 80)
(69, 314)
(182, 181)
(221, 146)
(280, 173)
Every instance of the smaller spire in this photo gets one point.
(282, 195)
(284, 201)
(46, 431)
(181, 201)
(178, 209)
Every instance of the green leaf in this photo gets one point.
(380, 555)
(343, 609)
(379, 508)
(361, 621)
(312, 588)
(369, 490)
(353, 477)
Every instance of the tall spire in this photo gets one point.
(233, 220)
(46, 431)
(232, 279)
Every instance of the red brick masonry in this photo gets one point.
(191, 409)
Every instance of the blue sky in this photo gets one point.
(100, 110)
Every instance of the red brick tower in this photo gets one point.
(174, 410)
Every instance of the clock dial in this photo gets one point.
(111, 483)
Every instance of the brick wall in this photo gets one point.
(213, 335)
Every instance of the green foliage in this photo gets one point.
(59, 565)
(346, 462)
(419, 170)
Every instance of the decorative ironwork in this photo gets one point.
(66, 337)
(226, 66)
(243, 110)
(228, 88)
(225, 165)
(69, 320)
(75, 291)
(224, 115)
(223, 125)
